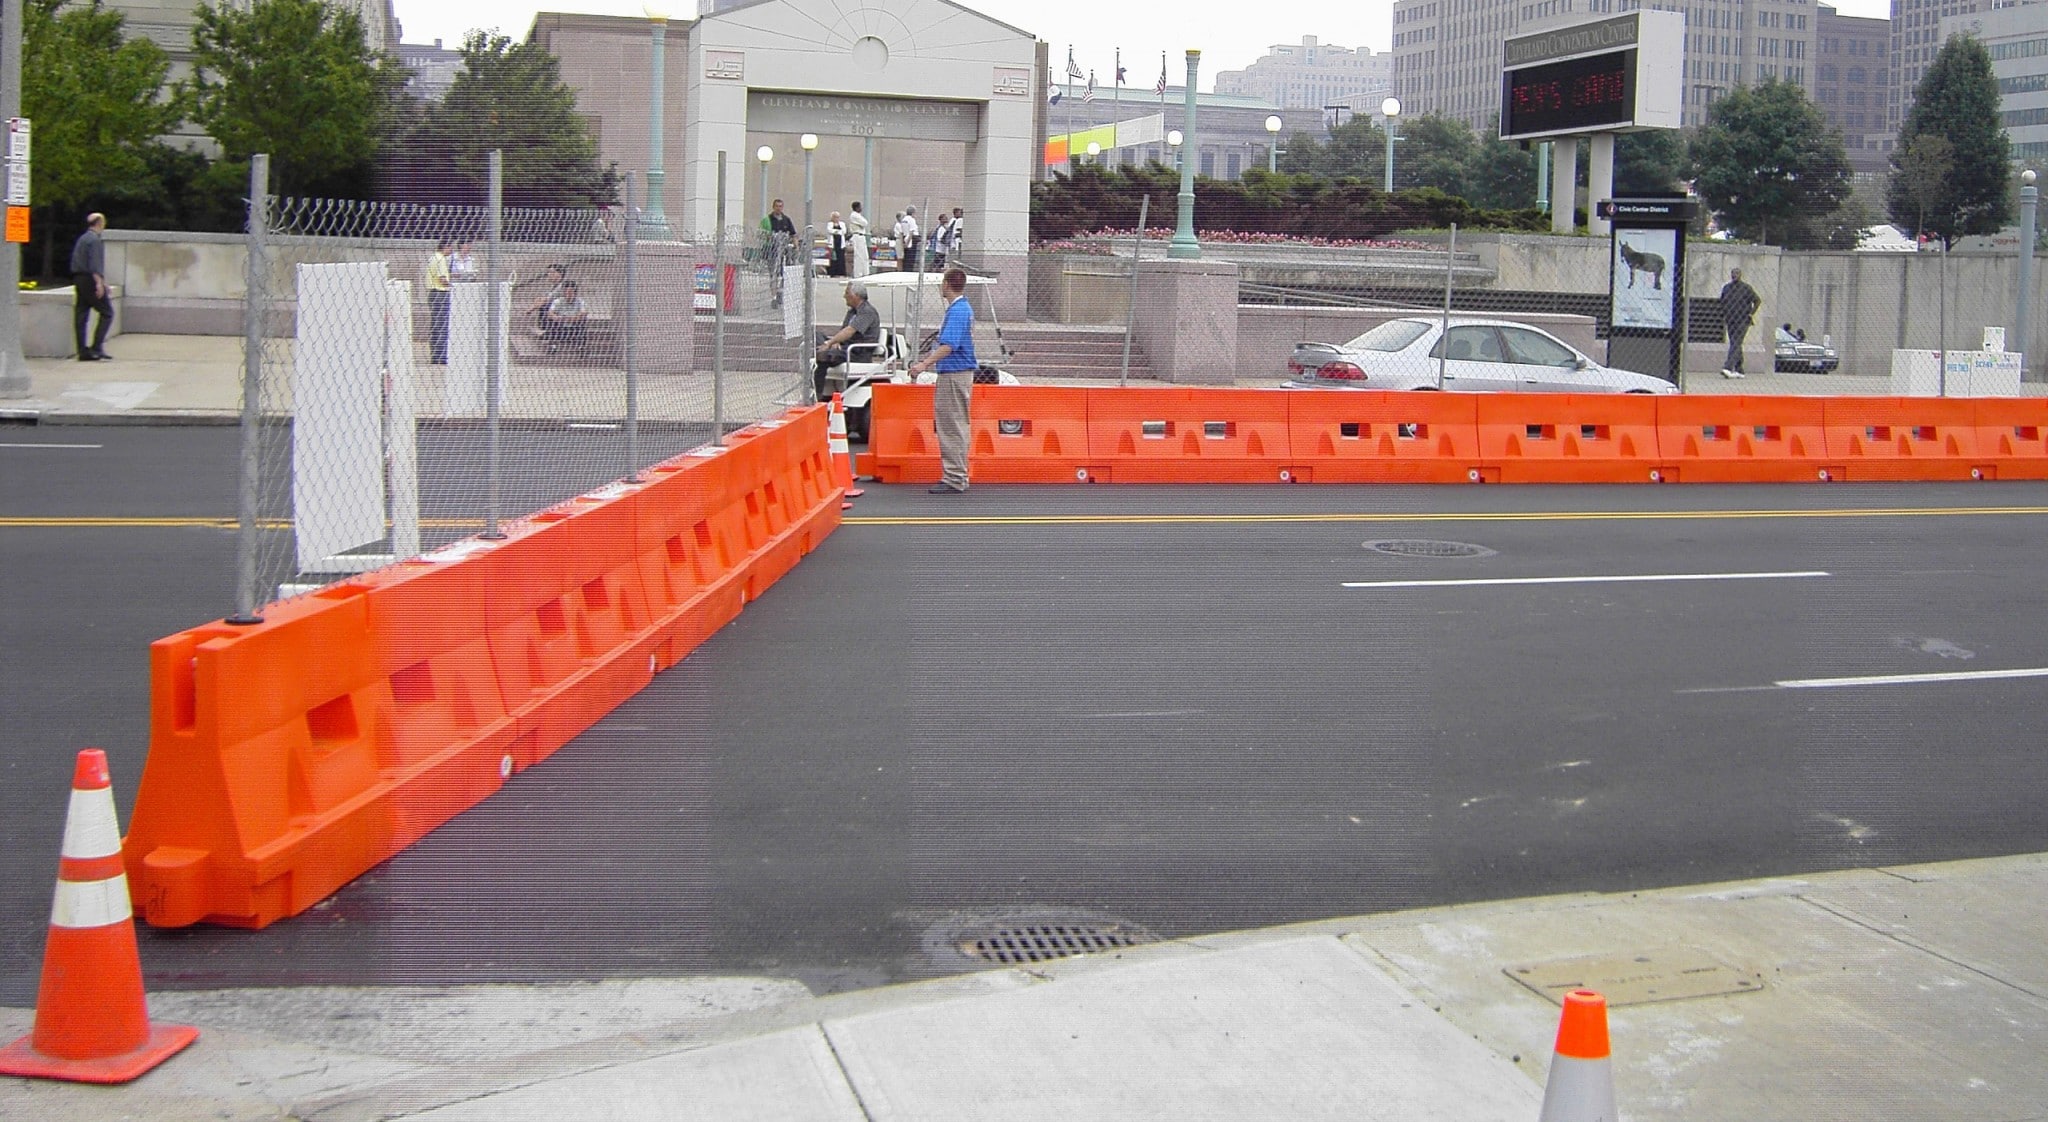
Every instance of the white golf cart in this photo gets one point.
(908, 303)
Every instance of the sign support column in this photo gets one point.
(13, 367)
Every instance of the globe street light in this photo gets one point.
(764, 154)
(1273, 148)
(1390, 109)
(809, 146)
(1173, 139)
(809, 143)
(653, 222)
(1094, 152)
(1185, 246)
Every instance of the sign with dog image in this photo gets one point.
(1643, 293)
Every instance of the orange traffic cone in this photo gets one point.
(842, 453)
(92, 1021)
(1581, 1083)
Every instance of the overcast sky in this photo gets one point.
(1229, 35)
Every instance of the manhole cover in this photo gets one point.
(1424, 547)
(1045, 942)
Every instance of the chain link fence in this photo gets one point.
(418, 375)
(1822, 322)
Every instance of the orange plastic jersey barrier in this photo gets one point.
(1903, 438)
(1347, 436)
(1185, 435)
(1741, 439)
(1569, 438)
(290, 756)
(1155, 434)
(2012, 436)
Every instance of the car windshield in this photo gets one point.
(1393, 335)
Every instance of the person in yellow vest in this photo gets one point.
(437, 303)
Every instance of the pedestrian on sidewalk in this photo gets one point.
(952, 356)
(91, 294)
(1738, 308)
(437, 281)
(858, 251)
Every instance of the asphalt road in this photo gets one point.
(1156, 707)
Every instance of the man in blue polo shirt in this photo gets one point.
(953, 357)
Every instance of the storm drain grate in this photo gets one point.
(1423, 547)
(1045, 942)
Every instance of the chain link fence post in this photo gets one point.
(629, 333)
(255, 308)
(718, 296)
(494, 342)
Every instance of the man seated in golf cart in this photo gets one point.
(862, 328)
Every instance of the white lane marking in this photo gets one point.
(52, 446)
(1911, 679)
(1643, 578)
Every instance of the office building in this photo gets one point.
(2017, 40)
(1447, 53)
(1916, 36)
(433, 68)
(169, 23)
(1852, 84)
(1313, 75)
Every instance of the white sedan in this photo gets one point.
(1482, 356)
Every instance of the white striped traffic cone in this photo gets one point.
(92, 1020)
(1581, 1083)
(842, 453)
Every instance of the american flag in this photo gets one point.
(1159, 87)
(1073, 68)
(1089, 93)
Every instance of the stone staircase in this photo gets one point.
(1040, 352)
(750, 344)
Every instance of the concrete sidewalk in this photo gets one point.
(1913, 993)
(198, 378)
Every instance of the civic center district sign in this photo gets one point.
(1588, 78)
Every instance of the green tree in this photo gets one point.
(99, 103)
(1502, 176)
(1649, 163)
(510, 97)
(1356, 149)
(1957, 100)
(1768, 166)
(295, 79)
(1434, 152)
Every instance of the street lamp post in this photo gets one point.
(2029, 198)
(1273, 147)
(1391, 110)
(653, 220)
(809, 143)
(1184, 246)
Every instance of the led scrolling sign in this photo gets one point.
(1575, 95)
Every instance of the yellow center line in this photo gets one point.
(1424, 516)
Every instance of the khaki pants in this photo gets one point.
(950, 402)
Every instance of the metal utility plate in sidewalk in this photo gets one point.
(1635, 979)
